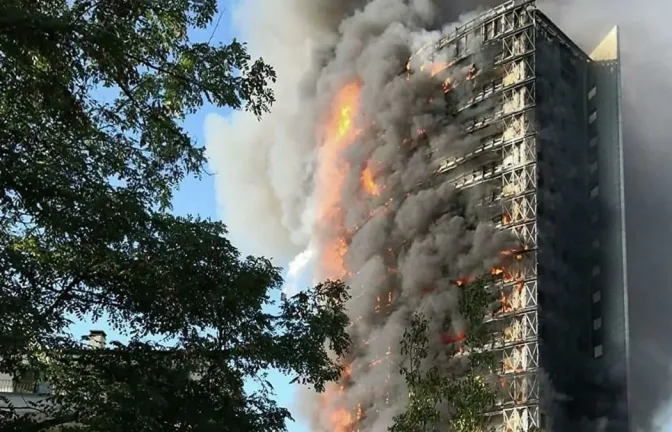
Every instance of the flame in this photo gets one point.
(447, 85)
(472, 72)
(376, 362)
(448, 338)
(437, 68)
(506, 304)
(359, 412)
(339, 133)
(341, 419)
(434, 69)
(465, 280)
(346, 107)
(368, 183)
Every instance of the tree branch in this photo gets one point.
(60, 298)
(50, 423)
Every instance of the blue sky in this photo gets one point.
(197, 197)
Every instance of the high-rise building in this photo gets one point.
(547, 117)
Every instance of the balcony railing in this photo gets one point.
(23, 387)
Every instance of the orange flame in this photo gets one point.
(506, 304)
(448, 338)
(339, 134)
(496, 271)
(465, 280)
(434, 68)
(447, 85)
(341, 419)
(368, 183)
(360, 412)
(438, 68)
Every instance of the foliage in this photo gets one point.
(474, 300)
(437, 400)
(91, 148)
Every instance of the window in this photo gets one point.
(596, 270)
(593, 117)
(597, 323)
(598, 351)
(461, 46)
(597, 296)
(592, 93)
(487, 31)
(595, 192)
(593, 167)
(593, 142)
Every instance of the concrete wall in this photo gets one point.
(563, 208)
(605, 103)
(582, 289)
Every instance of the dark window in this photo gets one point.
(598, 335)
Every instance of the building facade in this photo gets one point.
(545, 157)
(22, 393)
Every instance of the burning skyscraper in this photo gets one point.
(521, 161)
(495, 150)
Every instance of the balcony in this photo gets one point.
(12, 386)
(21, 394)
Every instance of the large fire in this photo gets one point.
(340, 132)
(341, 419)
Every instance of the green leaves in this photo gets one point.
(91, 149)
(438, 396)
(473, 304)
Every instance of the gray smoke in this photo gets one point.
(266, 172)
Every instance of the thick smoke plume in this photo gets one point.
(361, 195)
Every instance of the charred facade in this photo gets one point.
(544, 158)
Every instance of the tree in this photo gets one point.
(442, 400)
(92, 97)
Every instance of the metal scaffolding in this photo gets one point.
(512, 27)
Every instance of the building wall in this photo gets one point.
(496, 110)
(20, 394)
(572, 222)
(563, 208)
(582, 289)
(611, 309)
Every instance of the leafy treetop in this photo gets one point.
(92, 97)
(440, 401)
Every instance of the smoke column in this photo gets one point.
(334, 169)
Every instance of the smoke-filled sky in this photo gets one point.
(265, 170)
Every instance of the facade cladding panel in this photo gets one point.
(545, 159)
